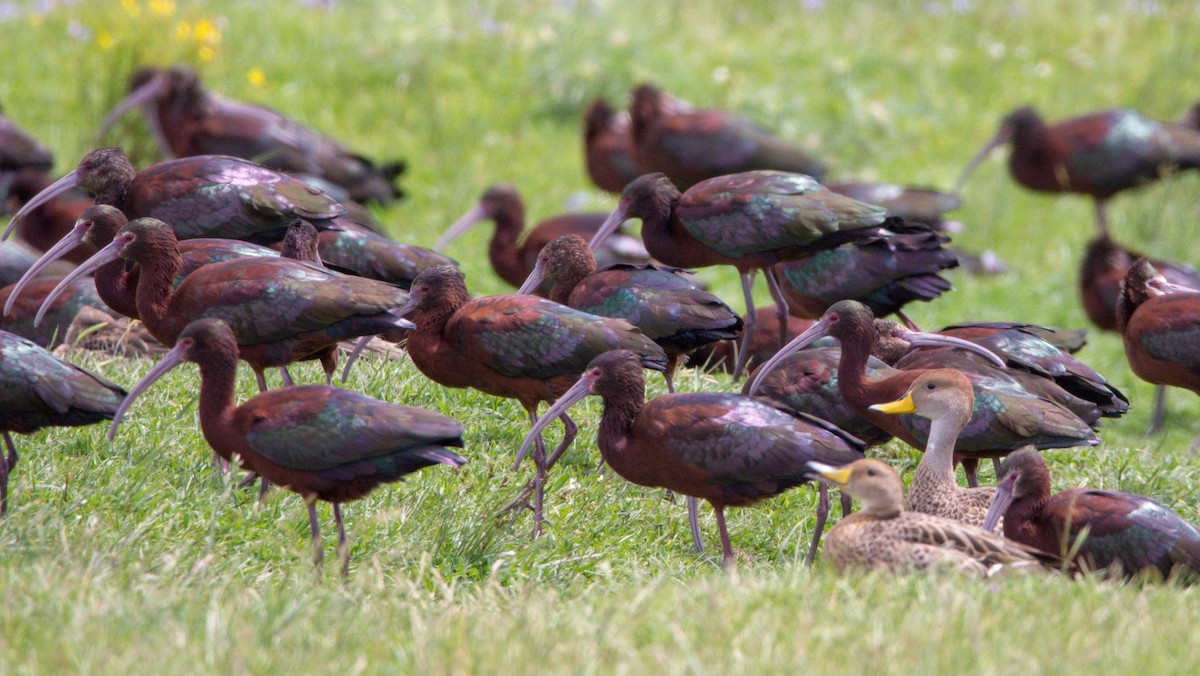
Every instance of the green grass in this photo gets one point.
(118, 557)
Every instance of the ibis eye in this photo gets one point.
(930, 386)
(871, 472)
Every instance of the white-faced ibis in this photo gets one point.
(691, 145)
(945, 398)
(882, 536)
(664, 304)
(40, 390)
(45, 225)
(46, 306)
(807, 381)
(357, 250)
(1157, 320)
(886, 271)
(1030, 350)
(911, 204)
(19, 150)
(660, 301)
(608, 146)
(1104, 266)
(1093, 530)
(188, 120)
(201, 196)
(116, 284)
(513, 262)
(751, 221)
(723, 354)
(281, 310)
(519, 347)
(1006, 415)
(730, 450)
(1098, 154)
(322, 442)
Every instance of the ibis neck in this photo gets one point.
(217, 380)
(154, 284)
(852, 368)
(616, 423)
(503, 251)
(118, 287)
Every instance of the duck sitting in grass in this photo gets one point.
(884, 537)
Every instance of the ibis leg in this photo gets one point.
(910, 324)
(781, 304)
(750, 320)
(354, 354)
(318, 551)
(728, 558)
(847, 504)
(1102, 215)
(1160, 409)
(287, 377)
(669, 374)
(819, 528)
(570, 430)
(971, 469)
(7, 463)
(261, 380)
(329, 365)
(343, 547)
(693, 505)
(996, 466)
(263, 487)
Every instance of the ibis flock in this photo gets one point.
(252, 244)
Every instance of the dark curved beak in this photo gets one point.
(1003, 135)
(817, 330)
(105, 255)
(580, 390)
(169, 361)
(62, 185)
(61, 248)
(463, 224)
(1000, 502)
(141, 96)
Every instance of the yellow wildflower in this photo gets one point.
(104, 40)
(206, 32)
(161, 7)
(36, 19)
(132, 7)
(183, 31)
(256, 77)
(206, 53)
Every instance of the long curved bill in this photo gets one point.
(169, 361)
(137, 98)
(1000, 502)
(1002, 136)
(902, 405)
(580, 390)
(828, 474)
(69, 241)
(363, 341)
(535, 279)
(105, 255)
(817, 330)
(610, 225)
(62, 185)
(463, 224)
(921, 339)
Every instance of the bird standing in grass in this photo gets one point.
(730, 450)
(322, 442)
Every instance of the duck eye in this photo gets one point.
(871, 472)
(930, 386)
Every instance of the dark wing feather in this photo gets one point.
(317, 428)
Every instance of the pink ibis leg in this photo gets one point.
(749, 323)
(781, 304)
(847, 504)
(727, 559)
